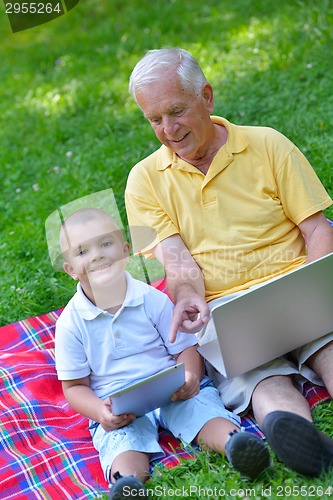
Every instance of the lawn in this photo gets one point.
(70, 129)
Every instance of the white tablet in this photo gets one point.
(150, 393)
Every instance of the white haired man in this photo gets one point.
(232, 207)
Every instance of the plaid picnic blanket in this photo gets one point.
(46, 450)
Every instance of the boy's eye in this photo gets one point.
(107, 243)
(81, 251)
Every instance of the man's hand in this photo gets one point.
(190, 314)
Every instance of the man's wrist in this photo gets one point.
(186, 290)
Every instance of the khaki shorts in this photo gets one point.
(236, 393)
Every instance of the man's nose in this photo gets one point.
(170, 125)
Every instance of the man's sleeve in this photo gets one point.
(149, 224)
(300, 190)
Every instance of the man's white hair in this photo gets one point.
(157, 62)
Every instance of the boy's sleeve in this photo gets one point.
(71, 360)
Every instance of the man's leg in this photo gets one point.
(281, 411)
(278, 393)
(322, 363)
(285, 417)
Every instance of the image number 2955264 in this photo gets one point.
(24, 15)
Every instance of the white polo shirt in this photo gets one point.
(114, 350)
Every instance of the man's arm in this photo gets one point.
(318, 236)
(186, 286)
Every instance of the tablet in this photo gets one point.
(150, 393)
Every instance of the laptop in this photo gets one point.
(266, 322)
(150, 393)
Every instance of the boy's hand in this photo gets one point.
(189, 389)
(111, 422)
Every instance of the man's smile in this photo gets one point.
(177, 141)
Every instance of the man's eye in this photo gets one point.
(178, 112)
(155, 121)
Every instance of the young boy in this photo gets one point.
(115, 330)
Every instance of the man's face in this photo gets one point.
(97, 253)
(179, 117)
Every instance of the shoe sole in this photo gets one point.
(248, 455)
(127, 487)
(297, 443)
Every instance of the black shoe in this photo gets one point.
(298, 443)
(127, 487)
(247, 453)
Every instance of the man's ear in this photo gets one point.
(69, 270)
(208, 95)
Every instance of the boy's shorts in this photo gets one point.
(236, 393)
(183, 418)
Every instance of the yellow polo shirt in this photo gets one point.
(239, 221)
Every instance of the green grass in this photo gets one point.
(211, 476)
(64, 89)
(69, 127)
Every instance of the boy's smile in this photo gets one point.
(100, 268)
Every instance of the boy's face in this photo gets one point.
(97, 254)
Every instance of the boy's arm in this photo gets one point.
(194, 367)
(83, 400)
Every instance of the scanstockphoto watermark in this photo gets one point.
(25, 14)
(193, 491)
(293, 491)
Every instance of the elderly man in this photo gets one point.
(232, 206)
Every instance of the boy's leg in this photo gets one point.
(215, 433)
(246, 452)
(127, 451)
(129, 471)
(205, 420)
(131, 463)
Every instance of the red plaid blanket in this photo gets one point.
(46, 450)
